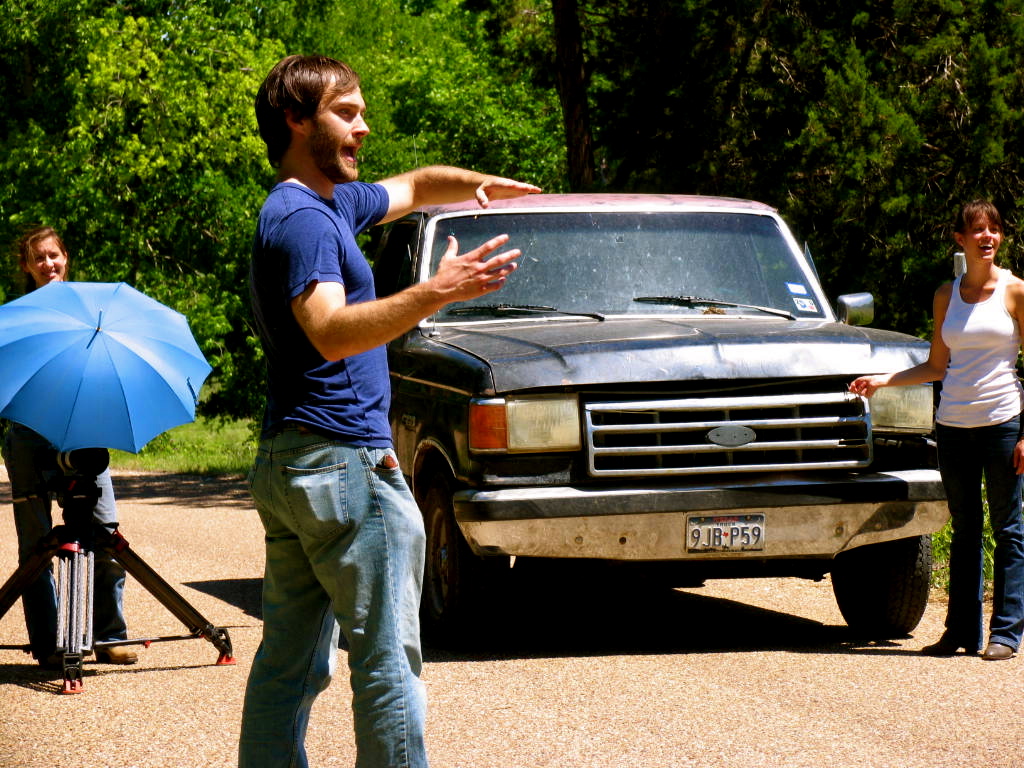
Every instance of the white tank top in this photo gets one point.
(980, 387)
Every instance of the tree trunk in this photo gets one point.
(572, 92)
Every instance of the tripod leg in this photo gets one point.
(63, 584)
(74, 611)
(170, 599)
(88, 600)
(73, 674)
(26, 575)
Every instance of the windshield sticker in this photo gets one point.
(797, 289)
(805, 305)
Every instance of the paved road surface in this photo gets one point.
(737, 674)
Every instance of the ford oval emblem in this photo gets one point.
(732, 436)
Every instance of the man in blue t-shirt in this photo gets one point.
(344, 538)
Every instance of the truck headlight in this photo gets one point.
(902, 409)
(521, 423)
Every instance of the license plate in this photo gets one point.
(725, 533)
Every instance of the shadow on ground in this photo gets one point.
(241, 593)
(539, 617)
(182, 490)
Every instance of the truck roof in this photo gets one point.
(604, 200)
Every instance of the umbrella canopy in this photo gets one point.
(97, 365)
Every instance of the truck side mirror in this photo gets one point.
(856, 308)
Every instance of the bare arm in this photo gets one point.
(338, 329)
(439, 184)
(932, 369)
(1015, 305)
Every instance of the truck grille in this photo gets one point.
(727, 434)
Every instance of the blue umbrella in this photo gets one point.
(97, 365)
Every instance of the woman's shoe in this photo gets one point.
(998, 652)
(947, 646)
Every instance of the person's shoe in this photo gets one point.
(947, 646)
(998, 652)
(53, 662)
(115, 654)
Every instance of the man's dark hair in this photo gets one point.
(296, 86)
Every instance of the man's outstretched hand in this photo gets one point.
(472, 274)
(497, 188)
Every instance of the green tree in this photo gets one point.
(866, 124)
(129, 127)
(434, 91)
(149, 164)
(912, 115)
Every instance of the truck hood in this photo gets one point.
(581, 352)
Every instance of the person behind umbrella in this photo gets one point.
(975, 344)
(344, 537)
(30, 462)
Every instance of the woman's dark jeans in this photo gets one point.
(965, 455)
(30, 460)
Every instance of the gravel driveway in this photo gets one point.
(733, 675)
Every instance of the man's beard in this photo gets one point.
(324, 149)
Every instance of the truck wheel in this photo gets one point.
(454, 579)
(882, 589)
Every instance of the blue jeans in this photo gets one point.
(345, 546)
(31, 462)
(964, 456)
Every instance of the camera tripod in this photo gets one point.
(74, 545)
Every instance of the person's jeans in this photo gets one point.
(31, 462)
(344, 545)
(964, 456)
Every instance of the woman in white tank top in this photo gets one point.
(978, 321)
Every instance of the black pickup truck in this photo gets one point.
(662, 382)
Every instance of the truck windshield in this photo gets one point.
(601, 262)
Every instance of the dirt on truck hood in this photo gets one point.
(579, 352)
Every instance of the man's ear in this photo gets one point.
(298, 125)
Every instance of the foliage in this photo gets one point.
(913, 119)
(128, 125)
(148, 163)
(204, 447)
(941, 542)
(130, 129)
(866, 124)
(432, 96)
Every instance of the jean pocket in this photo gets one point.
(316, 499)
(384, 462)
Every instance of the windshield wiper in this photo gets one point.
(689, 301)
(512, 309)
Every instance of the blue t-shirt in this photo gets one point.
(301, 239)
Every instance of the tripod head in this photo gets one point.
(76, 489)
(84, 461)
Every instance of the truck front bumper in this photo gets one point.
(803, 518)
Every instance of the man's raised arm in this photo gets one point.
(438, 184)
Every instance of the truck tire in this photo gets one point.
(882, 589)
(456, 581)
